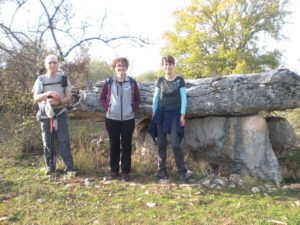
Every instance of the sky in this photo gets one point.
(149, 19)
(152, 18)
(137, 17)
(290, 48)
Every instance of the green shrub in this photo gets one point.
(21, 137)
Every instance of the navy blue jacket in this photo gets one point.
(164, 117)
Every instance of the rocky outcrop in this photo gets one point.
(227, 95)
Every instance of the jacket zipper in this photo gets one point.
(121, 99)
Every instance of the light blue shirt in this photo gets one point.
(183, 99)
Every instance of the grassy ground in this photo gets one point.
(28, 197)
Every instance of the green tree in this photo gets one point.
(149, 76)
(99, 70)
(17, 75)
(219, 37)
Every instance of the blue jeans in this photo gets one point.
(62, 138)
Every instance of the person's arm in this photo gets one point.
(155, 99)
(183, 105)
(67, 95)
(45, 95)
(103, 100)
(38, 96)
(136, 94)
(66, 99)
(183, 100)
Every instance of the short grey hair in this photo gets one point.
(48, 57)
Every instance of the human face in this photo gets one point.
(120, 69)
(168, 68)
(51, 64)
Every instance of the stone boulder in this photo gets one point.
(282, 135)
(238, 144)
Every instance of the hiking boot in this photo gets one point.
(49, 171)
(113, 175)
(162, 177)
(72, 173)
(125, 177)
(184, 178)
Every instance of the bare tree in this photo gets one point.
(57, 21)
(53, 27)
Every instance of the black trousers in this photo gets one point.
(120, 132)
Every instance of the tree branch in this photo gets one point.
(50, 21)
(20, 4)
(136, 40)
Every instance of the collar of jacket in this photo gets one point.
(126, 79)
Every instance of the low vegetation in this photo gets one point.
(28, 197)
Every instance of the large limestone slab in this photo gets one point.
(228, 95)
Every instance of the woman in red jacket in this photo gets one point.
(120, 97)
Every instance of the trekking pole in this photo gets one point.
(52, 120)
(104, 133)
(52, 150)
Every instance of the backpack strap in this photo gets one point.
(42, 83)
(63, 82)
(58, 82)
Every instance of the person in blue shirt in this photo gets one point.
(169, 108)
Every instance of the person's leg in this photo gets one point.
(63, 142)
(127, 129)
(113, 130)
(46, 137)
(177, 149)
(162, 153)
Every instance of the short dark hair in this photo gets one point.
(120, 59)
(169, 59)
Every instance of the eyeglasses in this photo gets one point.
(52, 62)
(121, 65)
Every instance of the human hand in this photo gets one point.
(53, 101)
(182, 120)
(53, 94)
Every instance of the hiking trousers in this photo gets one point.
(176, 146)
(62, 138)
(120, 132)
